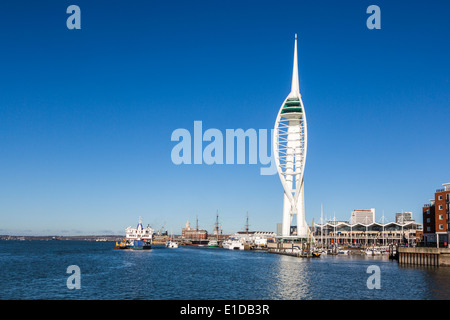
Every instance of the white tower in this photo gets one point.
(289, 145)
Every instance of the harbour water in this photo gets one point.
(37, 270)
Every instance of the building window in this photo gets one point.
(428, 229)
(441, 217)
(440, 198)
(428, 220)
(441, 227)
(440, 207)
(428, 211)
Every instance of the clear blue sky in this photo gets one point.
(86, 115)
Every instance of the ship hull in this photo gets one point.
(197, 243)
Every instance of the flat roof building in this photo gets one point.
(403, 217)
(363, 216)
(362, 234)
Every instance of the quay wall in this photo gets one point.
(278, 245)
(424, 256)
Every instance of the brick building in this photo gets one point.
(436, 218)
(193, 233)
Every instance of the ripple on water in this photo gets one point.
(37, 270)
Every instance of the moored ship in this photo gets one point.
(233, 244)
(196, 243)
(138, 238)
(213, 243)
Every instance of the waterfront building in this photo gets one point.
(193, 234)
(335, 222)
(402, 217)
(361, 234)
(363, 216)
(289, 145)
(436, 218)
(279, 229)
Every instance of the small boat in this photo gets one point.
(121, 245)
(315, 254)
(171, 244)
(345, 252)
(372, 252)
(213, 243)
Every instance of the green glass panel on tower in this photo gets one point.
(292, 105)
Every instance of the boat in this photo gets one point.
(315, 254)
(140, 245)
(233, 244)
(196, 243)
(138, 238)
(345, 252)
(226, 244)
(121, 245)
(373, 251)
(213, 243)
(171, 244)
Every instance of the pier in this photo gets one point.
(435, 257)
(296, 249)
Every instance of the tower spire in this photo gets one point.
(289, 145)
(295, 90)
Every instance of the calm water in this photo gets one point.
(37, 270)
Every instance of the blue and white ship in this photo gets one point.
(138, 238)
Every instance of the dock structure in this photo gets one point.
(435, 257)
(295, 249)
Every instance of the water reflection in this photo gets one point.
(290, 279)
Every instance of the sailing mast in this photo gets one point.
(246, 226)
(311, 232)
(321, 222)
(217, 224)
(196, 233)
